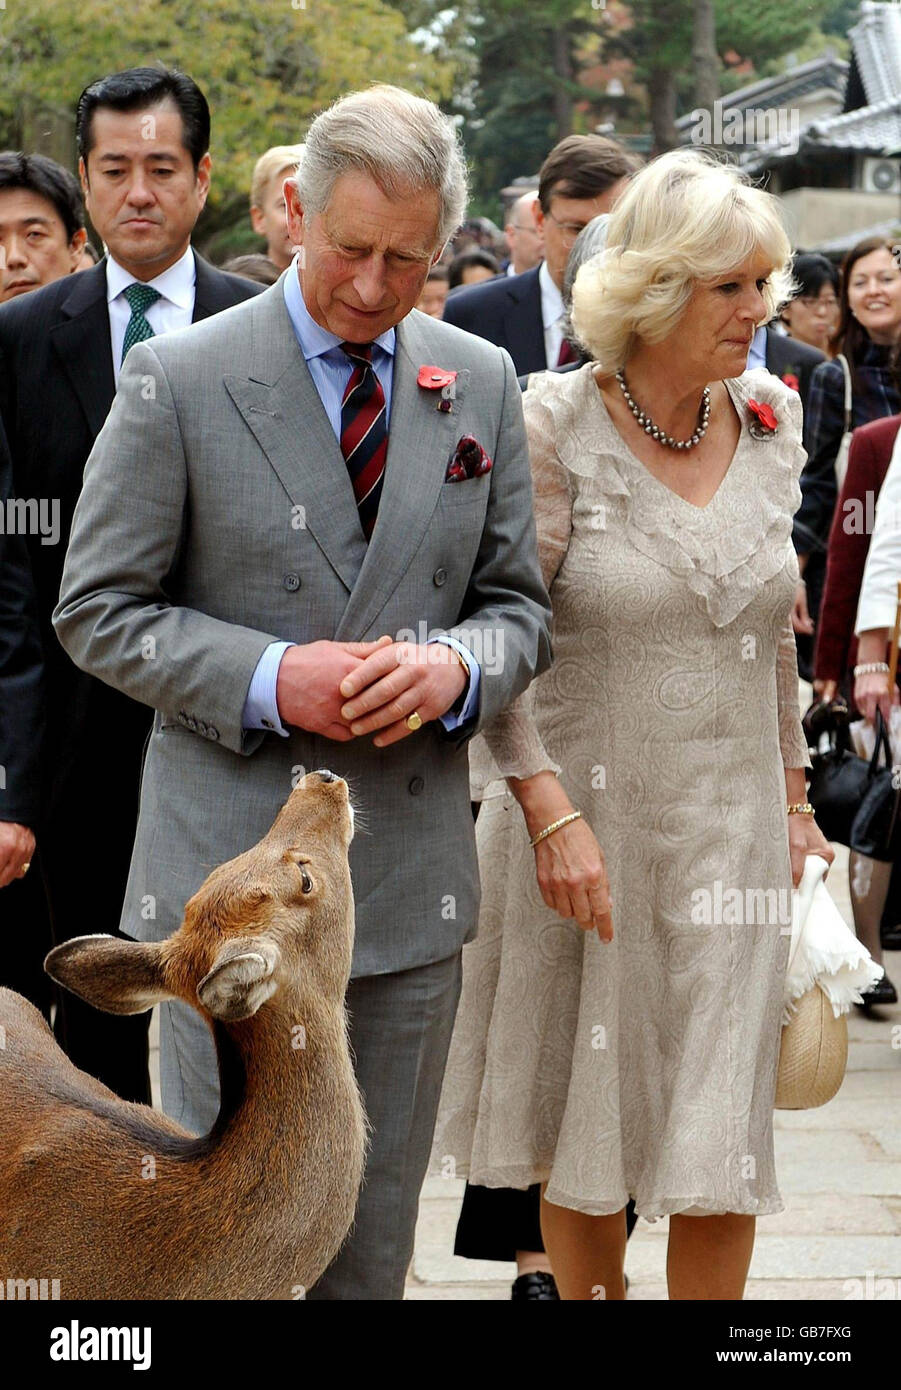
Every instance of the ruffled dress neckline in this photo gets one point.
(726, 550)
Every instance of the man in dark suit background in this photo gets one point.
(21, 722)
(143, 140)
(582, 176)
(792, 361)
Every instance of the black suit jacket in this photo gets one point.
(56, 389)
(788, 355)
(506, 311)
(21, 667)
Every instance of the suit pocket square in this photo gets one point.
(469, 461)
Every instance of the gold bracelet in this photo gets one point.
(556, 825)
(801, 808)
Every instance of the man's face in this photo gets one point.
(564, 221)
(34, 247)
(141, 188)
(433, 298)
(365, 257)
(269, 220)
(523, 235)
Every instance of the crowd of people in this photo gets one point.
(648, 421)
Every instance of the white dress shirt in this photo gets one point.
(174, 308)
(878, 592)
(553, 315)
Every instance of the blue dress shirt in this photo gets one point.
(757, 350)
(331, 370)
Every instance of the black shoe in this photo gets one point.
(891, 938)
(883, 992)
(535, 1285)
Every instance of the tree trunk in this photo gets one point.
(662, 92)
(561, 51)
(704, 59)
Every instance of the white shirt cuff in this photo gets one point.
(261, 707)
(471, 703)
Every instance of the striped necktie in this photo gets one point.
(364, 433)
(140, 297)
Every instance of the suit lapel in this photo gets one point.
(421, 440)
(523, 325)
(82, 343)
(282, 408)
(212, 291)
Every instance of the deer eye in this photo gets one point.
(305, 879)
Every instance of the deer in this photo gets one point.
(115, 1200)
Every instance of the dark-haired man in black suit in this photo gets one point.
(582, 176)
(143, 140)
(792, 361)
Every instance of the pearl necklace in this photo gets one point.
(647, 424)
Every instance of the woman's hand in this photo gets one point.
(800, 615)
(826, 690)
(871, 691)
(572, 877)
(570, 865)
(805, 837)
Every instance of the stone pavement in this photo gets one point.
(839, 1171)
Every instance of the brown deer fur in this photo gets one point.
(117, 1201)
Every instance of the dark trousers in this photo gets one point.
(25, 933)
(495, 1222)
(81, 870)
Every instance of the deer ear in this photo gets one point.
(240, 979)
(110, 972)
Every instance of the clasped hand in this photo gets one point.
(344, 689)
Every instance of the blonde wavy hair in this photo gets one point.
(684, 219)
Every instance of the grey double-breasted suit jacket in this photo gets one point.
(217, 516)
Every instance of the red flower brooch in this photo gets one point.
(439, 379)
(763, 420)
(792, 382)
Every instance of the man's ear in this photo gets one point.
(118, 976)
(293, 211)
(240, 979)
(76, 245)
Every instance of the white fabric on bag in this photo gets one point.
(824, 950)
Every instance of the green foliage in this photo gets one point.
(265, 68)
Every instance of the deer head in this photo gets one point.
(280, 913)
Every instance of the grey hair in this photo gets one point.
(403, 142)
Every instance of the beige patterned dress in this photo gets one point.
(646, 1067)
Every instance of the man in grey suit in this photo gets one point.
(239, 594)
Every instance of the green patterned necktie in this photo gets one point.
(140, 297)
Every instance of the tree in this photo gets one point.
(265, 69)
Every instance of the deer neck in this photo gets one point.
(276, 1070)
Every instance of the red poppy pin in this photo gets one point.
(763, 422)
(792, 382)
(439, 379)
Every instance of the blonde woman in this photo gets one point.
(637, 1057)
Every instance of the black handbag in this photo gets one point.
(840, 781)
(876, 831)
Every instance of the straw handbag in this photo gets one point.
(828, 969)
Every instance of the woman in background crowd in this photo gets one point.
(812, 316)
(868, 333)
(836, 659)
